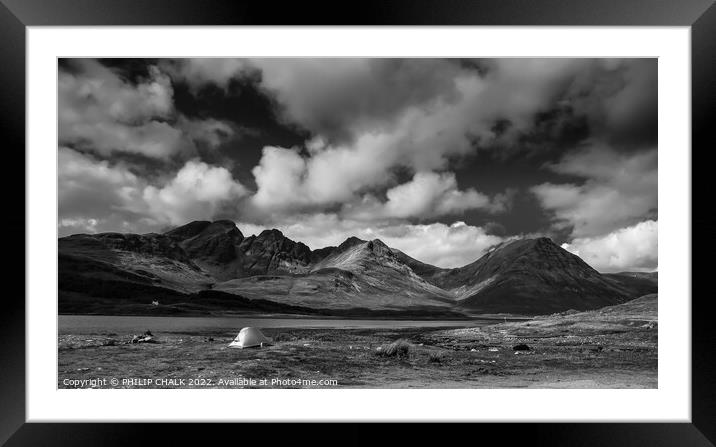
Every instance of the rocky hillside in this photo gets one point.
(356, 274)
(223, 251)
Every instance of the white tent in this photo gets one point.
(248, 337)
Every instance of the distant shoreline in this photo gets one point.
(311, 317)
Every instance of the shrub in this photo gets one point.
(399, 348)
(435, 357)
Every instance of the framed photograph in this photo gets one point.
(422, 212)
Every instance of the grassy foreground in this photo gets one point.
(612, 348)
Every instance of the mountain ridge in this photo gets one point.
(528, 276)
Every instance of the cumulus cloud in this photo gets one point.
(342, 98)
(97, 196)
(438, 244)
(102, 112)
(370, 116)
(633, 248)
(421, 140)
(197, 190)
(290, 182)
(287, 180)
(620, 189)
(428, 194)
(200, 72)
(104, 92)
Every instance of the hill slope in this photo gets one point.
(151, 259)
(126, 270)
(636, 283)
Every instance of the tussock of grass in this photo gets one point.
(435, 357)
(399, 348)
(282, 336)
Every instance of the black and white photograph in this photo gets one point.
(357, 223)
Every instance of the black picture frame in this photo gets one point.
(16, 15)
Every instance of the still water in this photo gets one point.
(89, 324)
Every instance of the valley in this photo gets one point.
(364, 315)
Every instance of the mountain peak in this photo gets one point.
(272, 234)
(224, 226)
(188, 230)
(527, 241)
(534, 253)
(526, 247)
(350, 242)
(224, 223)
(544, 242)
(530, 276)
(209, 241)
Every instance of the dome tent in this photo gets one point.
(248, 337)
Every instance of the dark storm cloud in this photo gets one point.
(613, 101)
(552, 132)
(620, 101)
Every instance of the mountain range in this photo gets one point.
(212, 267)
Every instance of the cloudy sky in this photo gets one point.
(441, 158)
